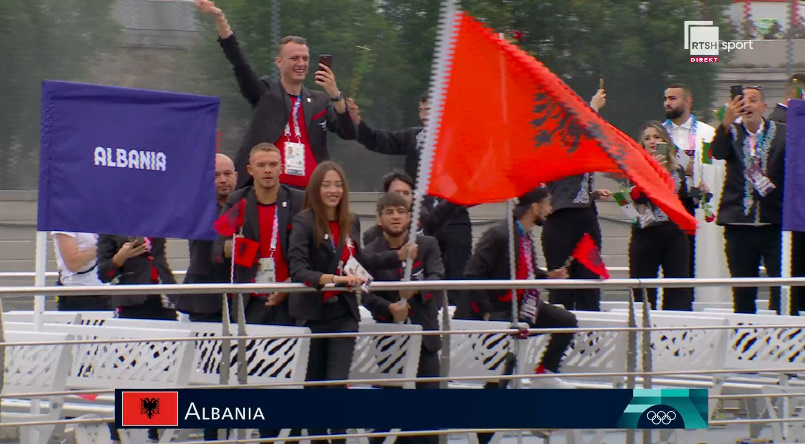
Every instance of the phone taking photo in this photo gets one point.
(326, 59)
(662, 149)
(736, 90)
(136, 241)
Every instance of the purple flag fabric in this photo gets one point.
(794, 188)
(127, 161)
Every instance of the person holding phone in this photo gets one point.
(657, 241)
(286, 113)
(136, 260)
(751, 204)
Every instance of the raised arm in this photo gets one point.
(250, 85)
(722, 141)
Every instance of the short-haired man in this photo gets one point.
(286, 113)
(394, 218)
(207, 307)
(752, 199)
(432, 217)
(794, 90)
(421, 307)
(491, 261)
(455, 238)
(268, 211)
(690, 135)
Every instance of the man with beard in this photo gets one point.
(691, 136)
(752, 199)
(207, 307)
(455, 237)
(491, 261)
(432, 217)
(394, 219)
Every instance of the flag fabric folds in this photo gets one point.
(793, 199)
(508, 124)
(588, 254)
(230, 221)
(127, 161)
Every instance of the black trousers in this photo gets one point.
(745, 247)
(329, 359)
(84, 303)
(663, 246)
(455, 242)
(151, 309)
(548, 316)
(561, 232)
(797, 270)
(428, 367)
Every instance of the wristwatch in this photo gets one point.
(337, 99)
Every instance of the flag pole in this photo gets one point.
(442, 64)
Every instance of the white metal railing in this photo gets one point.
(499, 284)
(28, 291)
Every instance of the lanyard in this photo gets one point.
(295, 118)
(348, 246)
(275, 231)
(526, 249)
(757, 138)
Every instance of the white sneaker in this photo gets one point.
(551, 383)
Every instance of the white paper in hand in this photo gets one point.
(354, 268)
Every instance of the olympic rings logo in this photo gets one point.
(661, 417)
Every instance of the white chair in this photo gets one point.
(150, 364)
(31, 369)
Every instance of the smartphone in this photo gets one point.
(736, 90)
(662, 149)
(136, 241)
(326, 59)
(601, 83)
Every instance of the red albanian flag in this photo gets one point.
(505, 123)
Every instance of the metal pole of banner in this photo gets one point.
(41, 266)
(39, 300)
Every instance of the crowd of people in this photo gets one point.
(298, 226)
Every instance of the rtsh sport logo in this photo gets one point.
(661, 417)
(701, 38)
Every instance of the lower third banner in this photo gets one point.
(413, 409)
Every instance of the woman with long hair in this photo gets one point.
(657, 241)
(324, 237)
